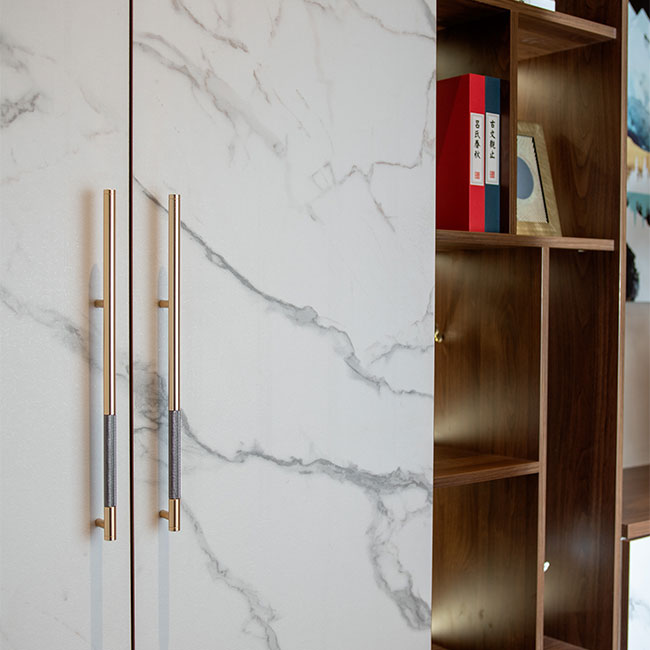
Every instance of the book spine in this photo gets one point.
(476, 124)
(492, 154)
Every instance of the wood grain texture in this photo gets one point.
(453, 466)
(514, 118)
(574, 95)
(581, 533)
(618, 14)
(540, 34)
(570, 20)
(575, 91)
(450, 240)
(554, 644)
(636, 502)
(543, 437)
(606, 12)
(484, 556)
(487, 370)
(582, 588)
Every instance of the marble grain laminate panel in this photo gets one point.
(639, 595)
(63, 139)
(300, 136)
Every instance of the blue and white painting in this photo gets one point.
(638, 152)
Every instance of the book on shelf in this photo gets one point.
(460, 150)
(492, 154)
(469, 152)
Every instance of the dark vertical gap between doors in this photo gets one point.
(131, 398)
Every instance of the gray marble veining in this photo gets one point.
(300, 135)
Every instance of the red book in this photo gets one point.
(460, 162)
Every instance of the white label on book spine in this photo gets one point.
(492, 148)
(476, 148)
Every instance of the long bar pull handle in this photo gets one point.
(173, 515)
(108, 523)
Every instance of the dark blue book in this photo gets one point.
(492, 154)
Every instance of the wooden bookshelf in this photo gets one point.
(460, 467)
(540, 32)
(543, 32)
(485, 558)
(636, 502)
(549, 644)
(554, 644)
(527, 460)
(449, 240)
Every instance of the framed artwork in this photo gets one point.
(638, 152)
(536, 205)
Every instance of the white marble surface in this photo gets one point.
(63, 139)
(300, 136)
(638, 631)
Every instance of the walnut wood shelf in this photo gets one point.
(636, 502)
(453, 467)
(453, 240)
(547, 32)
(554, 644)
(549, 644)
(528, 375)
(540, 32)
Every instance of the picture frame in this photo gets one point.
(537, 212)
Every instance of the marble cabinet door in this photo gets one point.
(637, 611)
(63, 139)
(300, 136)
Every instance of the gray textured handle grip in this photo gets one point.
(110, 482)
(174, 454)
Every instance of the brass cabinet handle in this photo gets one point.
(173, 515)
(108, 523)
